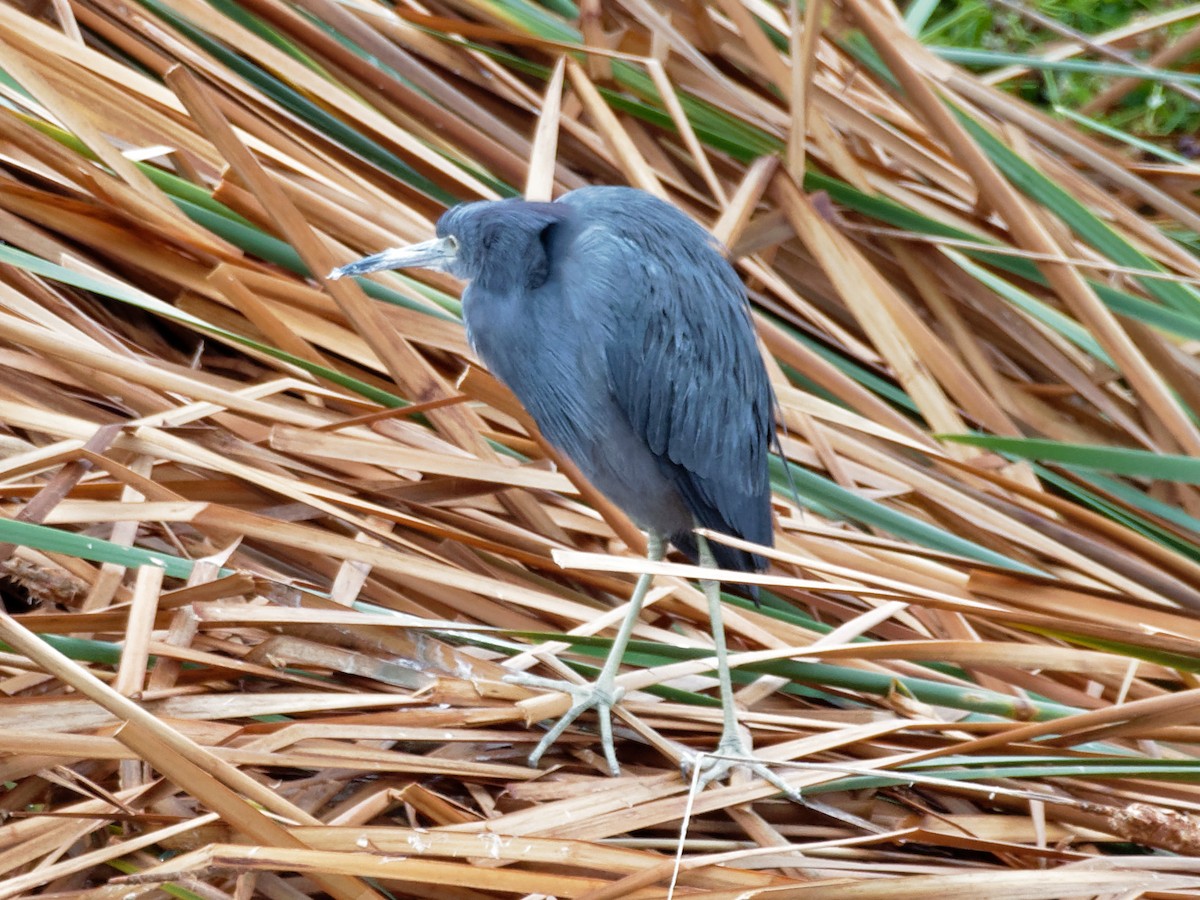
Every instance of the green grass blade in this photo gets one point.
(296, 103)
(1118, 460)
(1035, 308)
(1123, 137)
(68, 543)
(970, 56)
(144, 301)
(847, 504)
(646, 654)
(1079, 218)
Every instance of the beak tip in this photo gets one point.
(428, 255)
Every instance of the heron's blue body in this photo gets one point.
(626, 334)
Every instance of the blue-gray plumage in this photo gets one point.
(617, 322)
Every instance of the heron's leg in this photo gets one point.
(604, 693)
(732, 746)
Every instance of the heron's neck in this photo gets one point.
(515, 262)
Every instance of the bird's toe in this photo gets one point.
(730, 757)
(598, 696)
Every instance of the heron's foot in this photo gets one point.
(733, 753)
(601, 696)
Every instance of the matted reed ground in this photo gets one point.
(279, 539)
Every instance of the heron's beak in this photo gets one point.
(436, 254)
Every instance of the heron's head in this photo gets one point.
(499, 242)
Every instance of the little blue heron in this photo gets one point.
(626, 334)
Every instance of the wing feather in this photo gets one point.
(682, 362)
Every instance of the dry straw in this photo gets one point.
(280, 537)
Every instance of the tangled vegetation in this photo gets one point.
(271, 543)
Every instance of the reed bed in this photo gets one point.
(271, 543)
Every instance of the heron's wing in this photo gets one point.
(684, 368)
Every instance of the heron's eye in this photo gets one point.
(452, 242)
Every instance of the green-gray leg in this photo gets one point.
(732, 746)
(604, 694)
